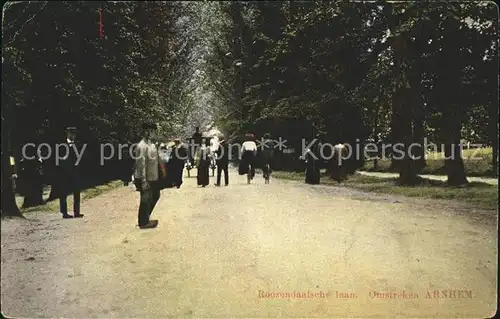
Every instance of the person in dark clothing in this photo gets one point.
(248, 154)
(312, 156)
(31, 180)
(69, 177)
(196, 140)
(127, 167)
(222, 161)
(178, 157)
(337, 164)
(267, 156)
(203, 175)
(165, 158)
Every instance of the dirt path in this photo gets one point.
(216, 248)
(487, 180)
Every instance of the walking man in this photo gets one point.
(69, 179)
(222, 161)
(267, 156)
(147, 176)
(197, 138)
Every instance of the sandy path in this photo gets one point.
(215, 248)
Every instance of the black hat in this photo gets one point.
(149, 125)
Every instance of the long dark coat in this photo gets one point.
(313, 165)
(68, 176)
(203, 176)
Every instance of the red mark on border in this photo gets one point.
(100, 23)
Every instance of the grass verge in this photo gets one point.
(480, 195)
(477, 163)
(53, 206)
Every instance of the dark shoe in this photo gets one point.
(78, 215)
(67, 216)
(226, 184)
(151, 224)
(217, 184)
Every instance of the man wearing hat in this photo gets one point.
(69, 179)
(267, 155)
(147, 176)
(222, 161)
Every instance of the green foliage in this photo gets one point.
(340, 65)
(59, 72)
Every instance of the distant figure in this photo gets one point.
(312, 156)
(69, 177)
(204, 164)
(147, 176)
(196, 140)
(267, 156)
(337, 168)
(164, 156)
(31, 180)
(127, 167)
(248, 155)
(178, 156)
(222, 161)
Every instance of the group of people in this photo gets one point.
(198, 154)
(159, 166)
(151, 170)
(314, 163)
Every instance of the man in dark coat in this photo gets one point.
(69, 177)
(267, 155)
(222, 161)
(196, 140)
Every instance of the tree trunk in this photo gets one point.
(403, 109)
(419, 151)
(8, 205)
(406, 166)
(493, 136)
(376, 133)
(494, 162)
(454, 163)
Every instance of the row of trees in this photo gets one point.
(58, 72)
(379, 72)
